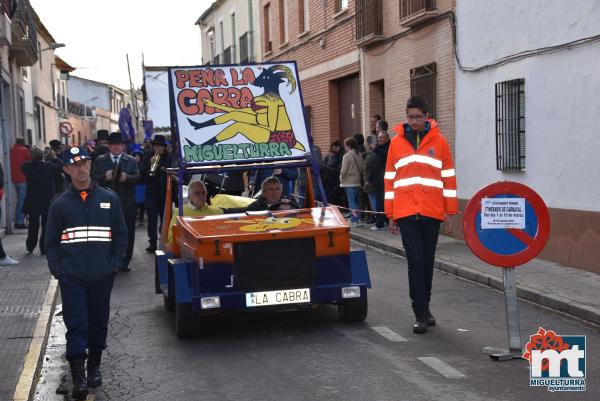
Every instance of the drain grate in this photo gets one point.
(20, 310)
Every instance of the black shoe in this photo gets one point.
(430, 318)
(420, 326)
(80, 388)
(94, 377)
(126, 268)
(151, 248)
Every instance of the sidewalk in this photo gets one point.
(26, 300)
(565, 289)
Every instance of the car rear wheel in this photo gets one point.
(354, 309)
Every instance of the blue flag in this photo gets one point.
(125, 124)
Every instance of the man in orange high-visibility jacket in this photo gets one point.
(420, 191)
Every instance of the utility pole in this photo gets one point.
(133, 99)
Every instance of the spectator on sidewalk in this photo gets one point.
(85, 261)
(334, 157)
(119, 172)
(41, 188)
(57, 147)
(351, 178)
(5, 260)
(19, 154)
(374, 172)
(373, 123)
(420, 193)
(50, 157)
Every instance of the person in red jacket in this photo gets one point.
(420, 192)
(19, 154)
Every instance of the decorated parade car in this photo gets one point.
(245, 118)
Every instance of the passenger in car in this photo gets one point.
(272, 197)
(196, 207)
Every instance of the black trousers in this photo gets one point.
(419, 238)
(86, 309)
(34, 229)
(130, 217)
(155, 207)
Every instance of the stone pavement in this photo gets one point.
(23, 291)
(562, 288)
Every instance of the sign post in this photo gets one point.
(506, 224)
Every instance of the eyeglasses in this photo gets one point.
(415, 117)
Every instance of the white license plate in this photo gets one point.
(280, 297)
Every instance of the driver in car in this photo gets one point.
(272, 197)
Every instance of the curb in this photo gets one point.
(33, 359)
(551, 301)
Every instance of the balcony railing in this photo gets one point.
(369, 21)
(24, 34)
(246, 47)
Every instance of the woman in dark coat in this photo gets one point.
(41, 188)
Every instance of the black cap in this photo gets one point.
(159, 140)
(102, 135)
(115, 138)
(55, 144)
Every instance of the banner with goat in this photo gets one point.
(238, 113)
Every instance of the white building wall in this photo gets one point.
(242, 25)
(562, 97)
(82, 90)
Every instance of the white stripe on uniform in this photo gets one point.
(450, 193)
(418, 181)
(448, 173)
(418, 159)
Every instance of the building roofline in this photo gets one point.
(42, 28)
(215, 5)
(63, 65)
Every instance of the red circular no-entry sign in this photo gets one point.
(65, 128)
(513, 227)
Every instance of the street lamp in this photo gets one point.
(53, 46)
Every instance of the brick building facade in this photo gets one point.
(406, 49)
(319, 36)
(357, 58)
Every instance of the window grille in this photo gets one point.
(422, 84)
(510, 125)
(409, 8)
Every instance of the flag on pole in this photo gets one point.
(125, 124)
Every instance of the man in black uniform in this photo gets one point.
(101, 144)
(153, 171)
(119, 171)
(86, 240)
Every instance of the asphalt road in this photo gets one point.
(311, 355)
